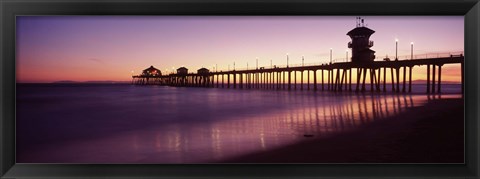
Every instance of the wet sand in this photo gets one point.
(433, 133)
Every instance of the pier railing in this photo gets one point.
(422, 56)
(335, 76)
(408, 57)
(278, 66)
(342, 60)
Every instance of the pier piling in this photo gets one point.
(336, 76)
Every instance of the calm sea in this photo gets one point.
(122, 123)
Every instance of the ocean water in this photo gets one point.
(123, 123)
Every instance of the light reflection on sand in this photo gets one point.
(216, 140)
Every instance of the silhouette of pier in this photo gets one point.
(335, 76)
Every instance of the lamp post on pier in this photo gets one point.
(411, 50)
(330, 55)
(396, 49)
(303, 60)
(346, 57)
(287, 60)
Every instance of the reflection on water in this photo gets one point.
(236, 132)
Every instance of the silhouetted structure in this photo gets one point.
(152, 71)
(149, 76)
(361, 43)
(338, 75)
(181, 77)
(203, 71)
(203, 79)
(182, 71)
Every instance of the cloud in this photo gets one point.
(96, 60)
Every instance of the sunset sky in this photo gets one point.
(97, 48)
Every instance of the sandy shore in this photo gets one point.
(433, 133)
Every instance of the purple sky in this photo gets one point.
(82, 48)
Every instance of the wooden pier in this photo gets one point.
(334, 77)
(338, 74)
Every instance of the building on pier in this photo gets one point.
(333, 77)
(361, 43)
(151, 72)
(203, 77)
(180, 79)
(203, 71)
(182, 71)
(149, 76)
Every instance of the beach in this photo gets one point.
(433, 133)
(108, 123)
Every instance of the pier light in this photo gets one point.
(287, 60)
(256, 58)
(331, 55)
(396, 49)
(346, 57)
(411, 50)
(303, 59)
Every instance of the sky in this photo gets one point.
(99, 48)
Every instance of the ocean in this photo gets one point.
(124, 123)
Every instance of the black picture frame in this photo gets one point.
(11, 8)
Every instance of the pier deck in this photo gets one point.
(339, 76)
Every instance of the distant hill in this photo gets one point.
(94, 82)
(107, 81)
(65, 81)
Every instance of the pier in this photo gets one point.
(334, 76)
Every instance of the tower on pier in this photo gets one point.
(361, 43)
